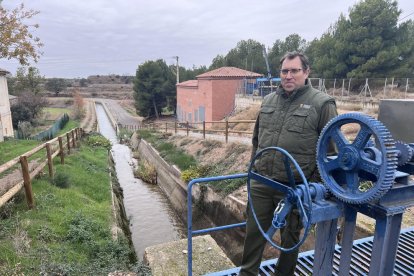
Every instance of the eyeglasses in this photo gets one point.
(293, 72)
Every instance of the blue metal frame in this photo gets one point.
(190, 231)
(385, 202)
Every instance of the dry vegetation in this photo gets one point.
(231, 157)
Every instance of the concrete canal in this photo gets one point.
(152, 219)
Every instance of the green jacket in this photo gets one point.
(293, 123)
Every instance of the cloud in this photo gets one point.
(101, 36)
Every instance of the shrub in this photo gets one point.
(61, 180)
(28, 107)
(189, 174)
(146, 172)
(83, 229)
(24, 128)
(7, 209)
(196, 172)
(124, 135)
(78, 105)
(97, 140)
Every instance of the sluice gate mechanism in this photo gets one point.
(369, 173)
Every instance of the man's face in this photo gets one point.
(292, 74)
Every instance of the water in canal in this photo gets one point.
(152, 219)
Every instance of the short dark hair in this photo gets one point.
(291, 55)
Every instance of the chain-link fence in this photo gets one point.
(360, 90)
(378, 88)
(46, 134)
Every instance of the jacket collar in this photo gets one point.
(295, 93)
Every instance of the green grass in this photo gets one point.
(12, 148)
(68, 233)
(55, 113)
(71, 124)
(168, 151)
(189, 166)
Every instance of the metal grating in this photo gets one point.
(361, 258)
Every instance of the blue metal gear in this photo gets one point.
(361, 172)
(405, 153)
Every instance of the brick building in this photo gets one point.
(6, 127)
(211, 97)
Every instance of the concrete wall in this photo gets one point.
(205, 90)
(224, 97)
(215, 210)
(190, 100)
(5, 114)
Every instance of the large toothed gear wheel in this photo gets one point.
(405, 152)
(364, 168)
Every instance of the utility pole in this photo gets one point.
(177, 70)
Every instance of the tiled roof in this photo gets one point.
(189, 83)
(228, 72)
(3, 72)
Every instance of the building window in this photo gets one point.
(201, 113)
(195, 115)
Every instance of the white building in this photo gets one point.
(6, 127)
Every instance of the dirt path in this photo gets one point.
(121, 115)
(10, 180)
(89, 120)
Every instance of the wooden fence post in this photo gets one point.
(27, 181)
(204, 129)
(166, 126)
(68, 138)
(188, 128)
(61, 153)
(49, 160)
(227, 130)
(73, 139)
(175, 127)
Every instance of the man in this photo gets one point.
(291, 118)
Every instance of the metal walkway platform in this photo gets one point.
(361, 258)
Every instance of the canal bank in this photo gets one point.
(151, 218)
(209, 209)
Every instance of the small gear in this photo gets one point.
(405, 152)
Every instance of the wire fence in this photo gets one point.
(378, 88)
(359, 87)
(46, 134)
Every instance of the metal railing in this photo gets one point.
(190, 231)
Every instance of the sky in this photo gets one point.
(100, 37)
